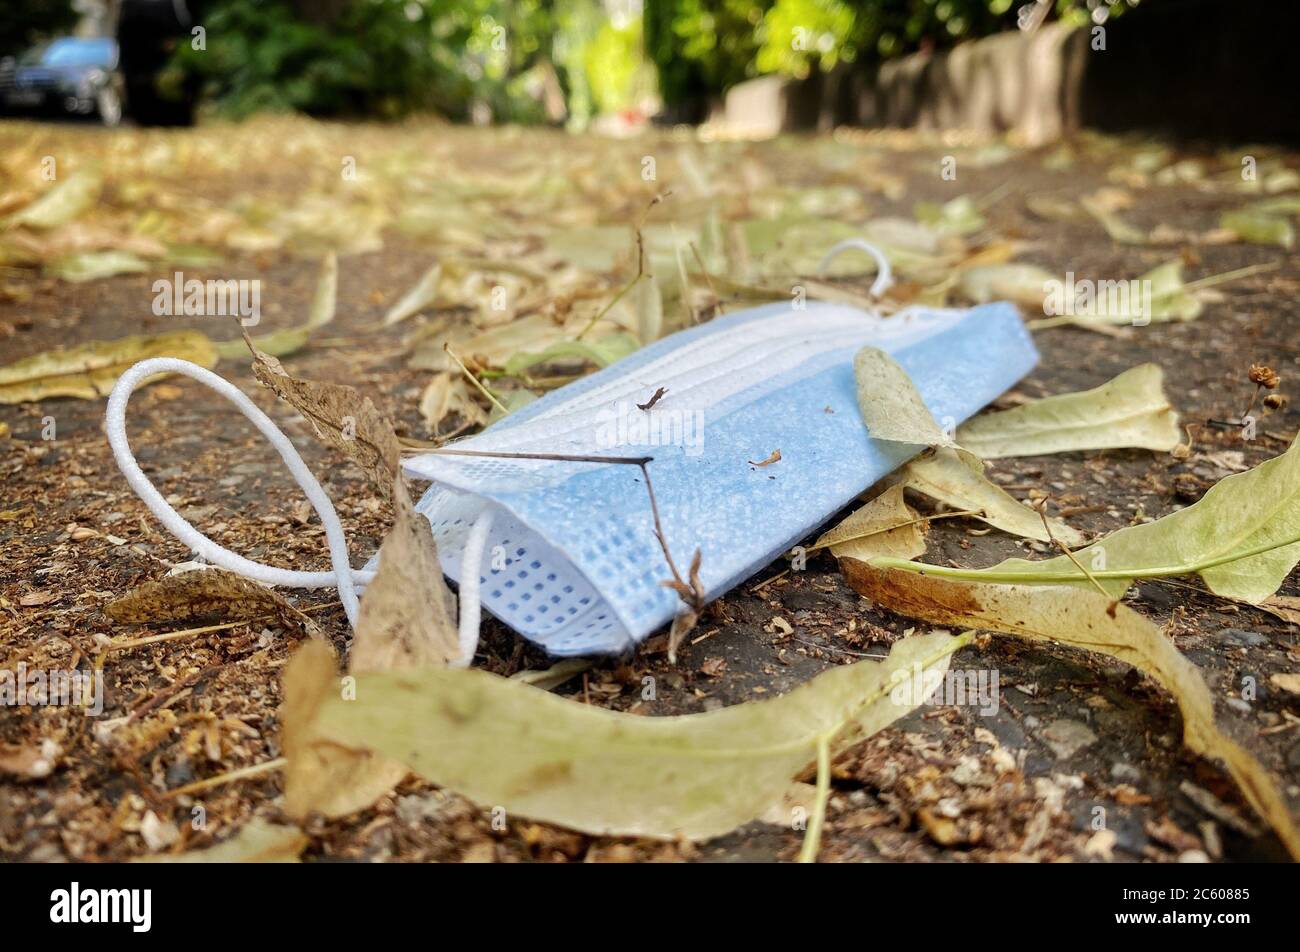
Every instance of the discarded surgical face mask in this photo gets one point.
(571, 559)
(566, 552)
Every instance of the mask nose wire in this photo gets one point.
(343, 576)
(884, 275)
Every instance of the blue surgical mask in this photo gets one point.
(566, 553)
(571, 560)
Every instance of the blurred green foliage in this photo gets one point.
(388, 57)
(703, 46)
(535, 60)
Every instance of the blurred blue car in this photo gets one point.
(74, 75)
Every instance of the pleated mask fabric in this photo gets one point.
(571, 560)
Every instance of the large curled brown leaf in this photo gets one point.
(407, 621)
(408, 615)
(329, 779)
(341, 416)
(1085, 619)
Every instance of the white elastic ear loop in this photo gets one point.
(343, 575)
(471, 557)
(884, 277)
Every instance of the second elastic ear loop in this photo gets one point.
(343, 575)
(884, 276)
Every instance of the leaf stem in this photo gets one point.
(902, 525)
(474, 380)
(812, 838)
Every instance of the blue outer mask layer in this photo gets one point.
(572, 560)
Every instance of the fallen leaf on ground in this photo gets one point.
(1119, 230)
(419, 297)
(602, 353)
(548, 679)
(885, 526)
(407, 621)
(94, 265)
(1129, 411)
(320, 777)
(1171, 299)
(408, 615)
(90, 370)
(1085, 619)
(284, 342)
(1287, 682)
(1259, 227)
(891, 406)
(208, 592)
(958, 216)
(892, 409)
(1287, 607)
(63, 203)
(341, 416)
(511, 400)
(1023, 284)
(1242, 537)
(447, 393)
(604, 772)
(257, 842)
(956, 477)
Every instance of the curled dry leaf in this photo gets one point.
(1129, 411)
(956, 477)
(886, 525)
(893, 410)
(407, 620)
(600, 771)
(257, 842)
(891, 406)
(284, 342)
(1242, 537)
(63, 203)
(208, 592)
(90, 370)
(408, 615)
(1085, 619)
(449, 393)
(341, 416)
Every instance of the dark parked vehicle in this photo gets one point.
(73, 75)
